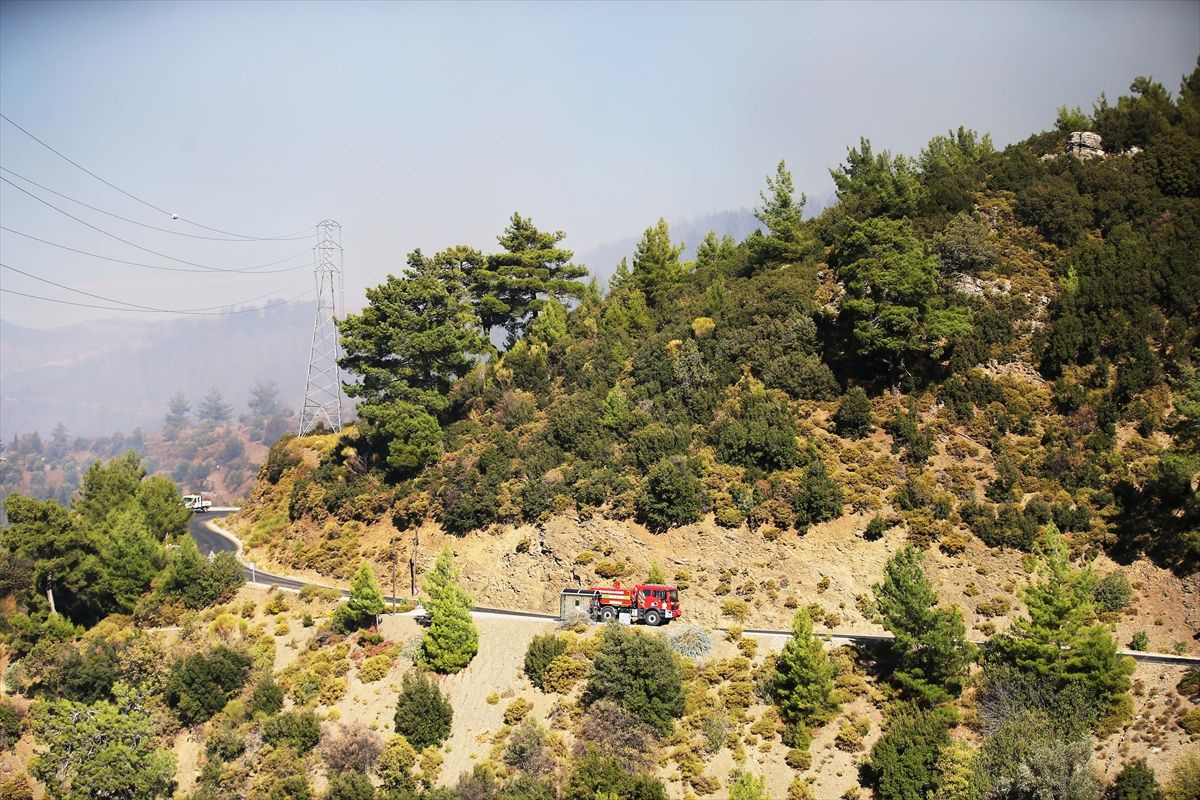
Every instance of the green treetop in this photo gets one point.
(931, 648)
(178, 409)
(101, 750)
(1059, 643)
(893, 304)
(213, 408)
(530, 267)
(656, 266)
(365, 603)
(804, 678)
(416, 335)
(783, 214)
(877, 185)
(452, 639)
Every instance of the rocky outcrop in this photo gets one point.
(1085, 144)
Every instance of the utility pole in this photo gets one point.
(395, 561)
(412, 561)
(323, 386)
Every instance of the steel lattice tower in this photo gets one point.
(323, 387)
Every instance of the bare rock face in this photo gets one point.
(1082, 144)
(1085, 144)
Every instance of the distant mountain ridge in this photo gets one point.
(116, 375)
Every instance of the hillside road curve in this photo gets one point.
(209, 537)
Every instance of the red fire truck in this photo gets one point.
(651, 603)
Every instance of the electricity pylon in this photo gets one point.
(323, 387)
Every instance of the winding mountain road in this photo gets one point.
(211, 538)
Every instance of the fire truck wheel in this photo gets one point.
(653, 617)
(608, 614)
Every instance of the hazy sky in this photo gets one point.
(420, 125)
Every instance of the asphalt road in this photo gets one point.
(209, 540)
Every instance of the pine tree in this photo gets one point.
(365, 603)
(60, 442)
(514, 282)
(804, 677)
(452, 639)
(656, 266)
(213, 408)
(656, 574)
(931, 649)
(1059, 644)
(178, 409)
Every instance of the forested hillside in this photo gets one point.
(1022, 323)
(960, 406)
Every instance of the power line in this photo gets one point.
(135, 306)
(146, 203)
(246, 271)
(152, 310)
(126, 241)
(143, 224)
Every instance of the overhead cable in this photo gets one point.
(141, 307)
(146, 225)
(154, 310)
(146, 203)
(126, 241)
(245, 271)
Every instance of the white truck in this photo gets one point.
(197, 502)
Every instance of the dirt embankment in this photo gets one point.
(833, 565)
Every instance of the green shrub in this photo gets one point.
(758, 432)
(1140, 641)
(597, 775)
(350, 786)
(907, 433)
(1135, 782)
(1113, 592)
(639, 673)
(563, 673)
(542, 650)
(671, 497)
(299, 729)
(201, 684)
(197, 581)
(293, 787)
(224, 744)
(517, 710)
(423, 714)
(902, 761)
(853, 416)
(282, 456)
(375, 668)
(656, 441)
(267, 697)
(10, 725)
(819, 496)
(876, 528)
